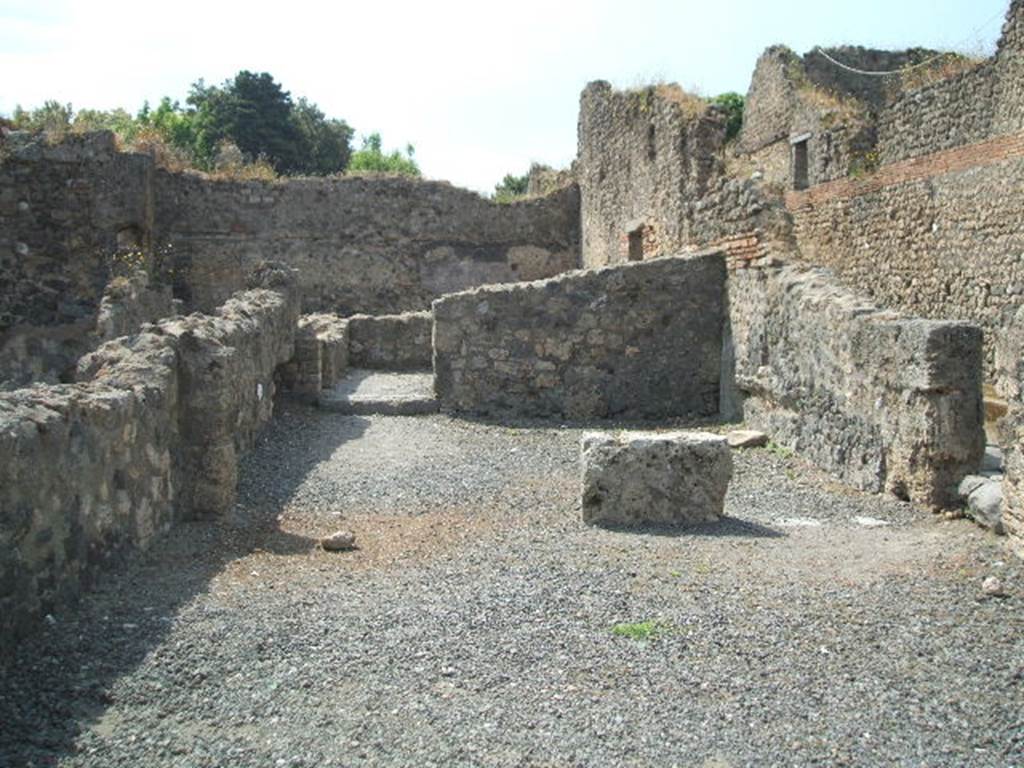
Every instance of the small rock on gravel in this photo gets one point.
(339, 541)
(746, 438)
(993, 587)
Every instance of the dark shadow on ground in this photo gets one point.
(726, 527)
(59, 680)
(607, 425)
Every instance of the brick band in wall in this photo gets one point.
(997, 150)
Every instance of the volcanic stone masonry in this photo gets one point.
(659, 478)
(631, 341)
(149, 435)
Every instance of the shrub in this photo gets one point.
(732, 105)
(511, 188)
(372, 159)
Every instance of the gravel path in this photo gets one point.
(474, 626)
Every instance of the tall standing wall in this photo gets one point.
(374, 245)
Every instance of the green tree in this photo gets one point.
(327, 143)
(372, 158)
(170, 121)
(254, 113)
(249, 111)
(732, 105)
(511, 188)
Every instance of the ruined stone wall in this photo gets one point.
(949, 113)
(128, 302)
(150, 435)
(971, 107)
(74, 213)
(650, 163)
(62, 205)
(393, 342)
(37, 354)
(1009, 114)
(770, 101)
(67, 209)
(632, 341)
(881, 401)
(1011, 428)
(321, 356)
(938, 236)
(375, 245)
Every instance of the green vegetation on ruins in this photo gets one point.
(511, 188)
(247, 127)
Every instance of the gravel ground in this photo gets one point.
(474, 625)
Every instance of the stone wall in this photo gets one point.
(949, 113)
(321, 356)
(973, 106)
(883, 402)
(393, 342)
(853, 122)
(630, 341)
(1011, 428)
(74, 213)
(373, 245)
(128, 302)
(68, 210)
(650, 170)
(1009, 115)
(938, 236)
(149, 435)
(49, 354)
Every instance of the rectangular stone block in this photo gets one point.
(664, 478)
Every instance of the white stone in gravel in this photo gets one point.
(993, 586)
(799, 522)
(746, 438)
(339, 542)
(671, 478)
(871, 522)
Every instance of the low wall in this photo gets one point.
(149, 435)
(879, 400)
(321, 355)
(391, 341)
(637, 340)
(49, 354)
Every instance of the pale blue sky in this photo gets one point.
(480, 88)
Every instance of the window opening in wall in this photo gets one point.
(800, 164)
(636, 244)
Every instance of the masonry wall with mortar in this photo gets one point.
(650, 162)
(72, 210)
(361, 245)
(938, 236)
(639, 340)
(149, 435)
(62, 208)
(882, 401)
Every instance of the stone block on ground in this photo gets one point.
(746, 438)
(663, 478)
